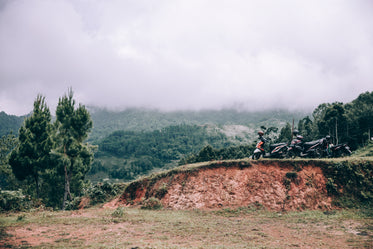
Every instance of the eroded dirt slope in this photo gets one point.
(274, 185)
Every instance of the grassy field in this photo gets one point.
(249, 227)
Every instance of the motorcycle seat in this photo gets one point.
(310, 144)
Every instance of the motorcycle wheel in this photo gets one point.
(256, 156)
(318, 153)
(290, 154)
(345, 153)
(284, 153)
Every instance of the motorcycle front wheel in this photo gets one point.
(256, 156)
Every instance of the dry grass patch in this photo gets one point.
(227, 228)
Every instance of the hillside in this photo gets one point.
(135, 142)
(140, 119)
(9, 123)
(236, 125)
(272, 184)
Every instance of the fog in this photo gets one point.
(185, 54)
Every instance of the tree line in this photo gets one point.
(51, 158)
(143, 151)
(350, 123)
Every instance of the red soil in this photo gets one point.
(273, 186)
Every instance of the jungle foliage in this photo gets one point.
(140, 152)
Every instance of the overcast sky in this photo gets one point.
(185, 54)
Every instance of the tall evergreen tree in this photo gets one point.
(73, 126)
(360, 112)
(285, 134)
(305, 128)
(31, 157)
(333, 122)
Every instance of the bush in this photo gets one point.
(292, 175)
(103, 192)
(95, 194)
(162, 191)
(118, 213)
(331, 187)
(152, 204)
(350, 180)
(13, 201)
(73, 204)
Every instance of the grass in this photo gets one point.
(248, 227)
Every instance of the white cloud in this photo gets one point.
(185, 54)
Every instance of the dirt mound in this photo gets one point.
(274, 185)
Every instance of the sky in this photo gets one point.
(185, 54)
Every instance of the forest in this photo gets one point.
(54, 159)
(142, 152)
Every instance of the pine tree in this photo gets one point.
(73, 126)
(285, 134)
(31, 157)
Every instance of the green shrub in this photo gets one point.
(152, 204)
(102, 192)
(13, 201)
(292, 175)
(355, 178)
(118, 213)
(162, 191)
(21, 217)
(73, 204)
(331, 187)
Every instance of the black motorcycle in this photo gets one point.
(295, 147)
(339, 150)
(279, 150)
(315, 149)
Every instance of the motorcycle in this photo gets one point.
(339, 150)
(278, 150)
(315, 149)
(296, 147)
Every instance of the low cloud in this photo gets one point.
(185, 54)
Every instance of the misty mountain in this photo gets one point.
(135, 142)
(140, 119)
